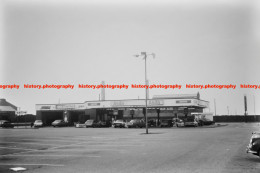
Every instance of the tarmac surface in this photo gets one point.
(68, 149)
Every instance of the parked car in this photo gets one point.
(166, 123)
(59, 123)
(92, 123)
(179, 123)
(6, 124)
(205, 121)
(254, 144)
(80, 125)
(105, 124)
(38, 123)
(119, 123)
(152, 123)
(135, 123)
(175, 120)
(191, 122)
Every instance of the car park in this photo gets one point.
(119, 123)
(59, 123)
(135, 123)
(166, 123)
(38, 123)
(6, 124)
(254, 144)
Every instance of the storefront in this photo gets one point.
(163, 107)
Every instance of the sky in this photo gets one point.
(85, 42)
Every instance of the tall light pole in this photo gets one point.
(144, 55)
(215, 107)
(254, 104)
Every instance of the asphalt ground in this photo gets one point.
(68, 149)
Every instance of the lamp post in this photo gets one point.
(145, 55)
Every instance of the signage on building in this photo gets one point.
(21, 112)
(117, 103)
(65, 106)
(46, 107)
(155, 102)
(115, 112)
(183, 101)
(203, 103)
(93, 104)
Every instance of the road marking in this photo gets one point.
(27, 143)
(44, 155)
(111, 145)
(45, 150)
(19, 148)
(29, 164)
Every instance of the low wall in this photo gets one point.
(237, 118)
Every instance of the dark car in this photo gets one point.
(135, 123)
(205, 121)
(92, 123)
(166, 123)
(6, 124)
(254, 144)
(119, 123)
(152, 123)
(105, 124)
(59, 123)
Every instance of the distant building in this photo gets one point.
(7, 110)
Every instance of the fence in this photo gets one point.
(237, 118)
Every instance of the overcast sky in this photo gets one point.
(85, 42)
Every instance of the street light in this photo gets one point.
(145, 55)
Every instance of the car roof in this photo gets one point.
(3, 120)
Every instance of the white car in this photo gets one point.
(78, 125)
(38, 123)
(193, 123)
(180, 123)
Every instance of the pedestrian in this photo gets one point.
(31, 124)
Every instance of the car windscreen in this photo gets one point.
(89, 121)
(165, 121)
(119, 121)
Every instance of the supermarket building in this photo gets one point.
(160, 106)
